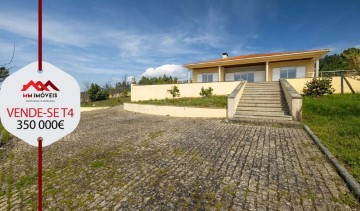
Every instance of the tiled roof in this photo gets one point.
(253, 56)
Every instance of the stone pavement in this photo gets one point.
(118, 160)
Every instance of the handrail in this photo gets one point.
(233, 99)
(293, 99)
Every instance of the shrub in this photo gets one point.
(5, 138)
(96, 93)
(206, 92)
(125, 93)
(174, 91)
(318, 87)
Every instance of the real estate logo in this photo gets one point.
(40, 87)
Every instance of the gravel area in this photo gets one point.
(119, 160)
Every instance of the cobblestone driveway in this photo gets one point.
(122, 160)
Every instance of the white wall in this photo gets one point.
(299, 84)
(147, 92)
(176, 111)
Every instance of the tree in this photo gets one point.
(158, 80)
(123, 86)
(349, 59)
(352, 56)
(96, 93)
(174, 91)
(109, 88)
(4, 73)
(333, 62)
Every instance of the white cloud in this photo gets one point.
(173, 70)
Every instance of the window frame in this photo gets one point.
(287, 71)
(206, 75)
(242, 74)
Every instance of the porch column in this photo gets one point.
(189, 75)
(267, 71)
(219, 73)
(317, 68)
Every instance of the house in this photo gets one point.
(258, 67)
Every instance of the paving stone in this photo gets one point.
(119, 160)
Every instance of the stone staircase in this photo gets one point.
(264, 100)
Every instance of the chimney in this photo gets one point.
(225, 55)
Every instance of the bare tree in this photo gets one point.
(5, 68)
(84, 94)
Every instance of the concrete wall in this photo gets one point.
(299, 84)
(176, 111)
(83, 109)
(234, 98)
(147, 92)
(293, 99)
(309, 66)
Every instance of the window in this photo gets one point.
(207, 77)
(288, 72)
(244, 76)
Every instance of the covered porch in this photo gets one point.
(257, 67)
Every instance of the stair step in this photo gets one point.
(265, 82)
(264, 105)
(263, 113)
(262, 101)
(262, 89)
(262, 94)
(259, 97)
(263, 85)
(283, 109)
(285, 118)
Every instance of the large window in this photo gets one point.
(207, 77)
(244, 76)
(288, 72)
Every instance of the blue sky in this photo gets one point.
(102, 41)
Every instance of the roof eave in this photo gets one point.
(310, 54)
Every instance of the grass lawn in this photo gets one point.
(5, 137)
(213, 102)
(107, 103)
(335, 119)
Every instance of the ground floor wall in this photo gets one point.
(147, 92)
(308, 64)
(305, 68)
(299, 84)
(199, 72)
(176, 111)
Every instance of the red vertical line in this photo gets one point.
(40, 36)
(39, 174)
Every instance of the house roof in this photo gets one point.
(263, 57)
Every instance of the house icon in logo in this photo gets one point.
(39, 86)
